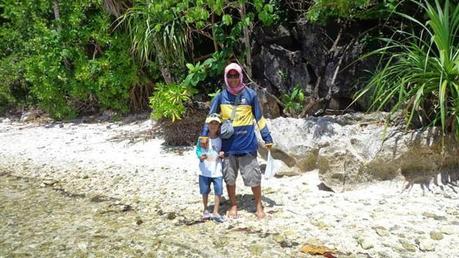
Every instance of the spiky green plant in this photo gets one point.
(157, 30)
(421, 73)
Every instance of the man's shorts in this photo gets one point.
(204, 185)
(248, 166)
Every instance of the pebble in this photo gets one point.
(365, 243)
(426, 245)
(436, 235)
(382, 231)
(407, 245)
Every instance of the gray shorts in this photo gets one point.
(248, 166)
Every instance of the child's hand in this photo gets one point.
(204, 142)
(221, 154)
(203, 157)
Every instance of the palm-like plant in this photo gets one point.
(421, 72)
(116, 7)
(157, 32)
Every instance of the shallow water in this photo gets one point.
(36, 220)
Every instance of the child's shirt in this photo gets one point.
(212, 166)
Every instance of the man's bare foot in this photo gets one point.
(260, 214)
(232, 213)
(260, 211)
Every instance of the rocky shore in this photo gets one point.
(125, 166)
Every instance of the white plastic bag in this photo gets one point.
(270, 170)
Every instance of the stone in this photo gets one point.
(426, 245)
(29, 116)
(433, 216)
(83, 246)
(436, 235)
(407, 245)
(365, 243)
(382, 231)
(287, 171)
(171, 215)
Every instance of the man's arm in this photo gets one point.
(261, 122)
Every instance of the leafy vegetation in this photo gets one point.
(66, 57)
(325, 10)
(169, 101)
(420, 74)
(77, 57)
(294, 101)
(167, 32)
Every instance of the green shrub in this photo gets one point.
(294, 101)
(71, 65)
(168, 101)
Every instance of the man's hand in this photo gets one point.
(203, 157)
(268, 146)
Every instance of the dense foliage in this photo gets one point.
(65, 57)
(76, 57)
(175, 34)
(325, 10)
(419, 73)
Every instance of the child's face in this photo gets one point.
(214, 126)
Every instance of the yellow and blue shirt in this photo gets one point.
(248, 114)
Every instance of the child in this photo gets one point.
(210, 167)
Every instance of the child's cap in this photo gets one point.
(213, 117)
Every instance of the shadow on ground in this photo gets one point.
(446, 178)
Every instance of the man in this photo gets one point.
(241, 148)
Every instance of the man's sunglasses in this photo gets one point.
(232, 76)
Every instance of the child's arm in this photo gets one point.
(201, 156)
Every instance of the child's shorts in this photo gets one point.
(204, 185)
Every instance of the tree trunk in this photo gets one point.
(57, 14)
(213, 33)
(164, 67)
(246, 40)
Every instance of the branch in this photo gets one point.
(335, 43)
(314, 98)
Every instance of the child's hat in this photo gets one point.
(213, 117)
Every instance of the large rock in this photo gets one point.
(355, 148)
(269, 105)
(309, 56)
(283, 68)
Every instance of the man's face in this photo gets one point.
(233, 78)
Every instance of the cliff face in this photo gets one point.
(321, 60)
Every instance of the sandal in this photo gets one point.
(206, 215)
(218, 218)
